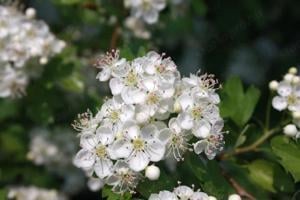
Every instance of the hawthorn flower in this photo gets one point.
(144, 96)
(148, 10)
(181, 192)
(288, 97)
(210, 146)
(176, 139)
(95, 152)
(110, 65)
(34, 193)
(163, 195)
(22, 39)
(123, 179)
(194, 111)
(86, 122)
(139, 146)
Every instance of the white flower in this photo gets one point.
(22, 38)
(210, 146)
(86, 123)
(273, 85)
(139, 146)
(110, 65)
(288, 98)
(34, 193)
(123, 179)
(176, 139)
(95, 152)
(148, 10)
(163, 195)
(184, 192)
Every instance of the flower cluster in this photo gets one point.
(147, 10)
(183, 192)
(22, 38)
(54, 151)
(288, 98)
(34, 193)
(153, 114)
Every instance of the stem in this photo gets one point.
(253, 146)
(237, 187)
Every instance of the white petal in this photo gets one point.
(202, 129)
(104, 75)
(165, 135)
(103, 168)
(116, 86)
(156, 150)
(95, 184)
(174, 126)
(185, 101)
(84, 159)
(132, 132)
(150, 16)
(127, 113)
(105, 135)
(120, 149)
(88, 141)
(284, 89)
(279, 103)
(185, 121)
(200, 146)
(138, 161)
(149, 132)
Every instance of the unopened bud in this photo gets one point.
(290, 130)
(234, 197)
(152, 172)
(30, 13)
(273, 85)
(293, 70)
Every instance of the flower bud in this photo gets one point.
(273, 85)
(152, 172)
(290, 130)
(43, 60)
(234, 197)
(30, 13)
(288, 77)
(293, 70)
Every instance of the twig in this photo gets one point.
(252, 147)
(115, 37)
(238, 188)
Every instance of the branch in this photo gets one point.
(238, 188)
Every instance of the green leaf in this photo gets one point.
(270, 176)
(237, 104)
(73, 83)
(210, 176)
(110, 195)
(199, 7)
(289, 153)
(8, 108)
(68, 2)
(3, 193)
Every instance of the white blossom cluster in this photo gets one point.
(34, 193)
(183, 192)
(153, 114)
(288, 99)
(22, 38)
(147, 10)
(54, 151)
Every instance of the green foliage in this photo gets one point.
(147, 187)
(210, 177)
(288, 152)
(270, 176)
(108, 194)
(238, 104)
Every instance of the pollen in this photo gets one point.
(138, 144)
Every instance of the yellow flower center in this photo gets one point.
(138, 144)
(101, 151)
(196, 112)
(152, 98)
(131, 78)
